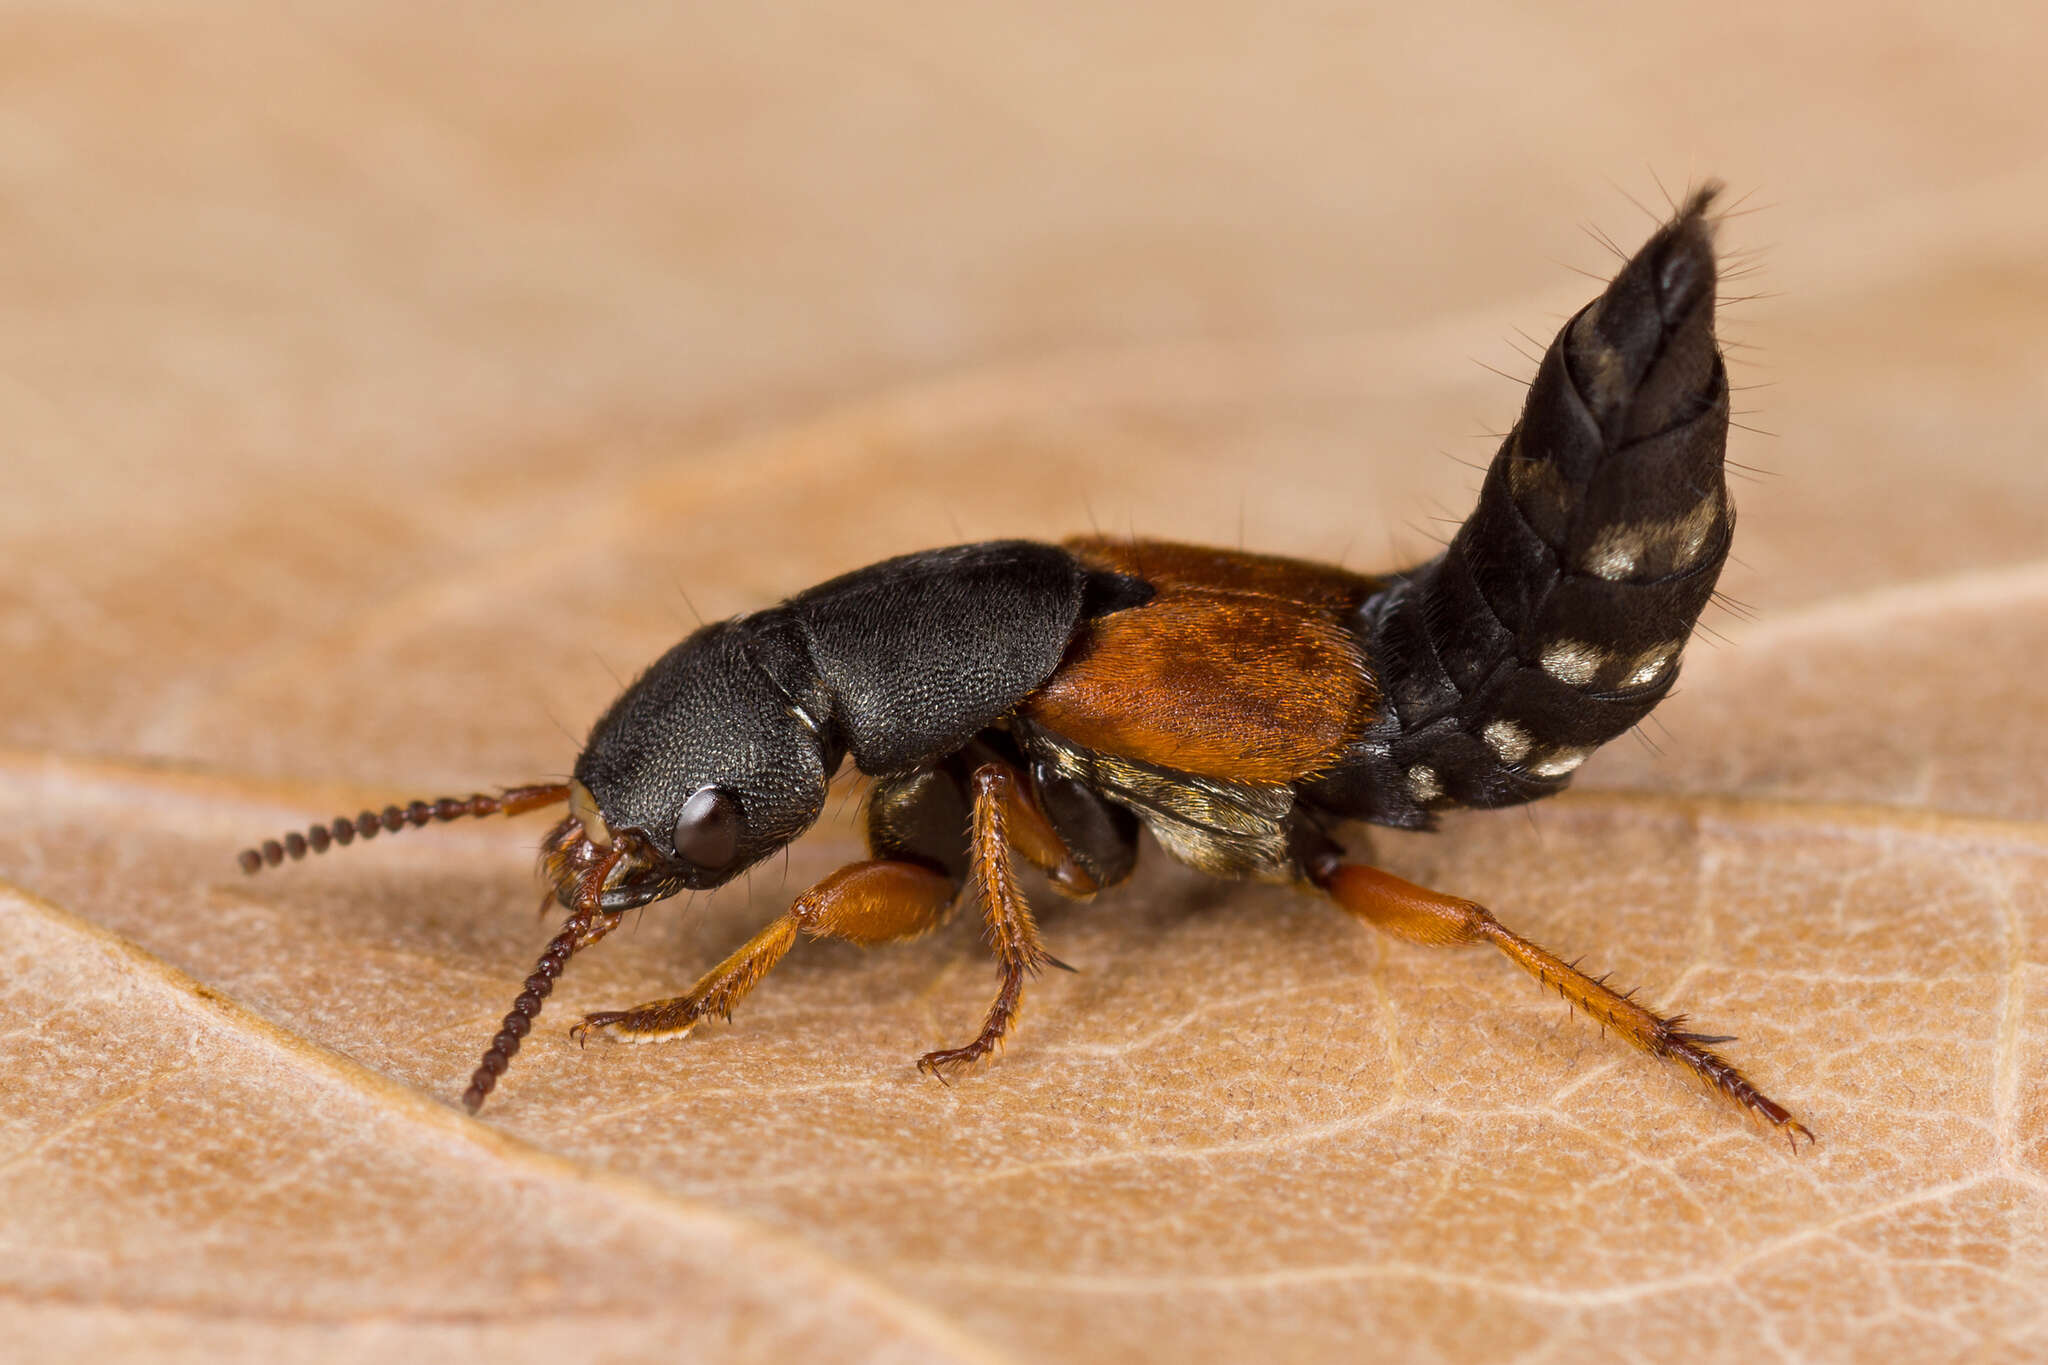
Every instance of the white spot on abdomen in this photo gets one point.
(1663, 547)
(1572, 661)
(1651, 666)
(1507, 739)
(1616, 554)
(1560, 763)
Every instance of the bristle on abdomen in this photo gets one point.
(1555, 619)
(344, 830)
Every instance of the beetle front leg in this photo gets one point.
(1419, 915)
(879, 901)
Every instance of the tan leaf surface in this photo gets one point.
(380, 384)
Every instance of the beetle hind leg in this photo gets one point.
(1419, 915)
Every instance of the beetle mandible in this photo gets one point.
(1017, 699)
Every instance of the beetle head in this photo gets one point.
(703, 767)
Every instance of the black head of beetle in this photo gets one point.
(704, 766)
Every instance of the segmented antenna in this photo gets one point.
(587, 923)
(343, 830)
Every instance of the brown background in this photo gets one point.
(380, 383)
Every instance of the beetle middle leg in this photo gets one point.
(1419, 915)
(879, 901)
(1002, 811)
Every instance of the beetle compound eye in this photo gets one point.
(708, 830)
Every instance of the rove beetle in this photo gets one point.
(1014, 698)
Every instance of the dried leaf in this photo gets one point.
(381, 389)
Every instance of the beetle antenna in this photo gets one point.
(587, 923)
(343, 830)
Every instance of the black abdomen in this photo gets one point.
(1555, 619)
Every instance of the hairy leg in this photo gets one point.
(998, 801)
(879, 901)
(1419, 915)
